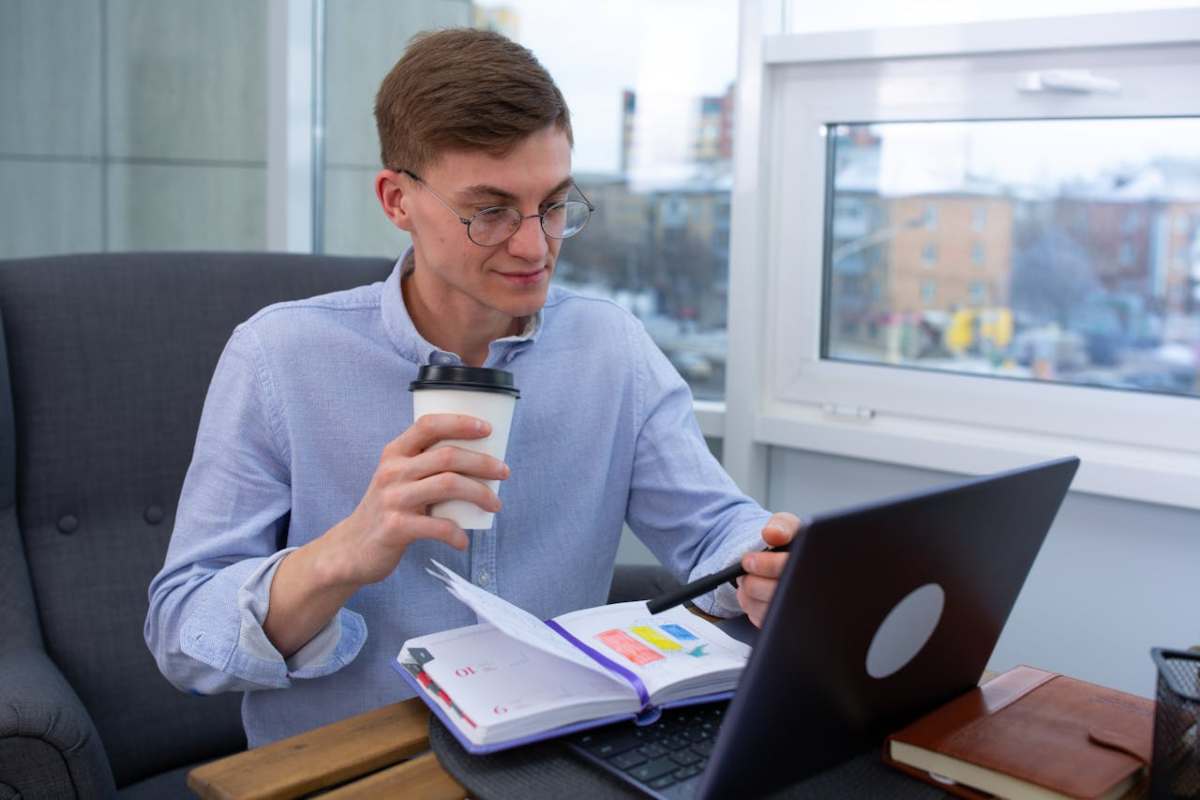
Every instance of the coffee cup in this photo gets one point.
(486, 394)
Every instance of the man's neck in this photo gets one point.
(455, 327)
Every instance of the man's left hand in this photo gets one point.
(757, 586)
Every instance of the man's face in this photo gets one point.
(513, 277)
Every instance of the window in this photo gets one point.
(979, 297)
(652, 116)
(928, 291)
(1047, 338)
(1126, 258)
(931, 217)
(1080, 316)
(978, 218)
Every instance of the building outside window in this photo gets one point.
(1101, 282)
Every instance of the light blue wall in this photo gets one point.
(1113, 579)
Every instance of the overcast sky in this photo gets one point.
(669, 51)
(672, 52)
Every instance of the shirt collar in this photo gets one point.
(409, 342)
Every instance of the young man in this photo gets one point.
(476, 142)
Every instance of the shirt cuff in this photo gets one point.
(329, 650)
(722, 601)
(249, 655)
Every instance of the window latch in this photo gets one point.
(1067, 81)
(848, 413)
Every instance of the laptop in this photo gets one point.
(884, 612)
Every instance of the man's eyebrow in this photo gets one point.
(484, 190)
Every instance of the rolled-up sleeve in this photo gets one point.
(209, 601)
(682, 503)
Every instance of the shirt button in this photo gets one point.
(484, 578)
(68, 523)
(153, 515)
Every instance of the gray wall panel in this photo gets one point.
(354, 223)
(163, 207)
(364, 40)
(49, 207)
(50, 78)
(187, 80)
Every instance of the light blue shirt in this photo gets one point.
(304, 399)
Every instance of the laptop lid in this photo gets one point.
(828, 678)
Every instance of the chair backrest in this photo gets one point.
(109, 357)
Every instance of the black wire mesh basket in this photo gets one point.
(1175, 768)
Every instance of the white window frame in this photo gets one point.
(1136, 446)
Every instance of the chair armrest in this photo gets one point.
(47, 738)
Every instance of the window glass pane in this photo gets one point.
(651, 89)
(1064, 250)
(132, 125)
(804, 16)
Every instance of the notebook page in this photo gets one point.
(516, 622)
(662, 649)
(495, 681)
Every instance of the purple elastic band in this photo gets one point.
(605, 662)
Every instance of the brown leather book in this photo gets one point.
(1030, 734)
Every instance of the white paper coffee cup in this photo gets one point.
(486, 394)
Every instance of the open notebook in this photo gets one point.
(514, 679)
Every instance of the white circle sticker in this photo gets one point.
(905, 630)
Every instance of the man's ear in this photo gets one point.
(393, 198)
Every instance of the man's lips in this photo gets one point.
(525, 274)
(525, 278)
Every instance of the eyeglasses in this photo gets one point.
(495, 225)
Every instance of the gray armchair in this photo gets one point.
(104, 365)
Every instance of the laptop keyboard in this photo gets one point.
(673, 749)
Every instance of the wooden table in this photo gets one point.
(380, 753)
(371, 755)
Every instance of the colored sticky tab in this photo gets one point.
(678, 631)
(655, 638)
(630, 648)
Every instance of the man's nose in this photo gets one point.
(529, 242)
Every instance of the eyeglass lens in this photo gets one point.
(560, 221)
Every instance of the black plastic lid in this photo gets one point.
(471, 379)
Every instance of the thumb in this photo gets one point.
(780, 529)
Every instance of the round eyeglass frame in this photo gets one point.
(517, 217)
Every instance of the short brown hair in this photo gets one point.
(463, 89)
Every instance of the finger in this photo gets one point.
(448, 486)
(430, 429)
(780, 529)
(425, 527)
(758, 589)
(755, 609)
(448, 458)
(767, 565)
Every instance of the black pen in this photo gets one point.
(702, 585)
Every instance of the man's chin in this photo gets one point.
(521, 301)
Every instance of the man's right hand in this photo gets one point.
(412, 476)
(314, 581)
